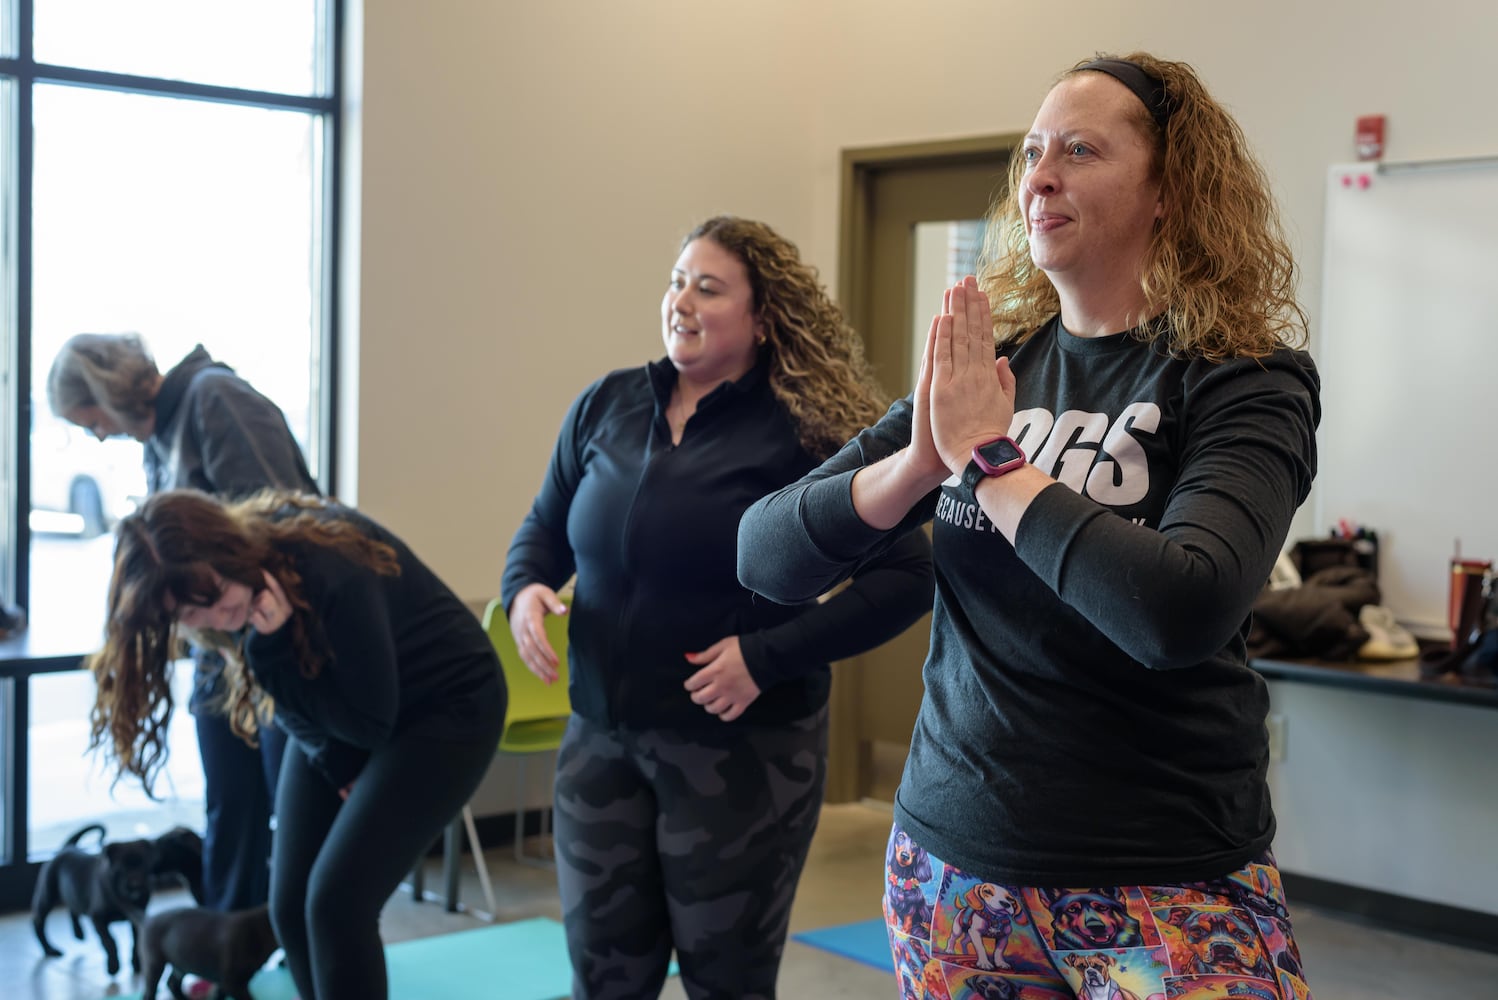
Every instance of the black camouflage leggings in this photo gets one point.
(664, 840)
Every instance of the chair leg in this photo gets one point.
(480, 863)
(520, 814)
(452, 847)
(531, 860)
(419, 881)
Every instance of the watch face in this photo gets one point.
(1000, 452)
(992, 458)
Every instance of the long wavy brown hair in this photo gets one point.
(817, 366)
(166, 554)
(1218, 268)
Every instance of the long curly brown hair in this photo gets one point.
(166, 555)
(817, 366)
(1218, 268)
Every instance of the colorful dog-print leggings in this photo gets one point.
(956, 936)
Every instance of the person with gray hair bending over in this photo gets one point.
(204, 427)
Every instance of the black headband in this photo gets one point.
(1149, 89)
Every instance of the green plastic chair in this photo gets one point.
(535, 719)
(538, 712)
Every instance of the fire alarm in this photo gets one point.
(1369, 139)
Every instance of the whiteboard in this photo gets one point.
(1409, 364)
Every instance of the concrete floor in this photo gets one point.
(1344, 959)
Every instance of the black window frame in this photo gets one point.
(18, 662)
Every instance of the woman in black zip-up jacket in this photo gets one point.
(690, 779)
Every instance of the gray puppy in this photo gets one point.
(226, 949)
(107, 887)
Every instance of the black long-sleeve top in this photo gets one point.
(650, 528)
(401, 653)
(1089, 716)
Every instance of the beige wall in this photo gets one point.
(527, 169)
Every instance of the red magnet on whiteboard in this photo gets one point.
(1363, 181)
(1369, 138)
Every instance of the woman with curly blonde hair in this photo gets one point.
(385, 682)
(1087, 774)
(690, 778)
(1223, 278)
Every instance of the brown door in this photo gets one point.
(912, 224)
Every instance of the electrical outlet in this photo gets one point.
(1277, 726)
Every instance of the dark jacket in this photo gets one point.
(215, 433)
(651, 529)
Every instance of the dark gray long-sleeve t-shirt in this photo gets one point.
(1089, 716)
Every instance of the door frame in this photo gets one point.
(847, 768)
(859, 165)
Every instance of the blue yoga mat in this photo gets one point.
(525, 960)
(866, 941)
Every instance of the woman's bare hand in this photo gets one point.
(723, 686)
(528, 613)
(271, 608)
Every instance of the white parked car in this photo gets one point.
(80, 485)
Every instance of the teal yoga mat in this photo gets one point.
(866, 941)
(524, 960)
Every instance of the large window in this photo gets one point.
(167, 167)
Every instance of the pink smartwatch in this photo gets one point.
(992, 458)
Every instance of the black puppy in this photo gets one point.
(224, 948)
(107, 887)
(178, 860)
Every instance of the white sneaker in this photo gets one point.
(1387, 639)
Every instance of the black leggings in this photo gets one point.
(335, 863)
